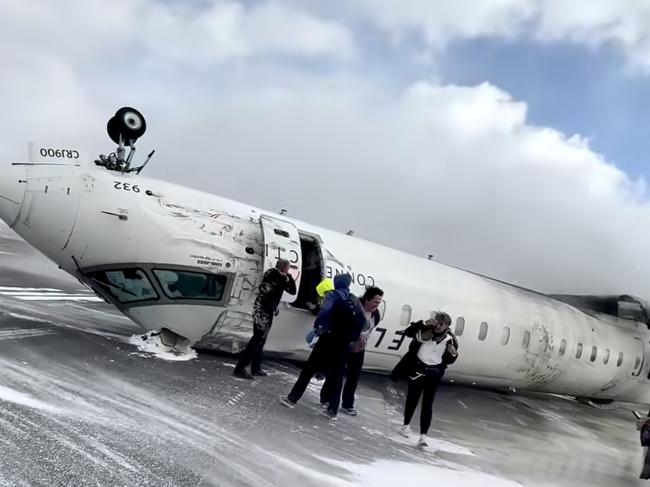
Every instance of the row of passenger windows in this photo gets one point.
(505, 339)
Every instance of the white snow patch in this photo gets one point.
(18, 333)
(59, 298)
(150, 343)
(388, 473)
(372, 431)
(113, 455)
(310, 473)
(23, 317)
(14, 288)
(435, 444)
(8, 394)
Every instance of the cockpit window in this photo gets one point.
(125, 285)
(191, 285)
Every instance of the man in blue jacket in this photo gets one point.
(338, 324)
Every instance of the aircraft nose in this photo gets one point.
(12, 190)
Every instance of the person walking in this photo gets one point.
(433, 347)
(275, 283)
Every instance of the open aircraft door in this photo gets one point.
(281, 240)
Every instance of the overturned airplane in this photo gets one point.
(188, 262)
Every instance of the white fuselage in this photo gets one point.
(92, 221)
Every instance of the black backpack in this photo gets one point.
(352, 320)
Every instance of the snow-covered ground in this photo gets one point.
(85, 401)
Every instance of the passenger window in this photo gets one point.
(637, 362)
(191, 285)
(579, 351)
(125, 285)
(505, 335)
(562, 347)
(526, 341)
(620, 359)
(482, 334)
(405, 317)
(460, 326)
(594, 352)
(606, 357)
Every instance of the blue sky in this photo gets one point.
(568, 87)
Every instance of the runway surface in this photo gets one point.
(80, 405)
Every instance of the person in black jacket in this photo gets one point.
(370, 302)
(338, 325)
(432, 348)
(275, 283)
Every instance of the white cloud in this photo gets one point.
(455, 171)
(127, 30)
(228, 30)
(623, 24)
(278, 29)
(441, 22)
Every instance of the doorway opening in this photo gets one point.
(312, 273)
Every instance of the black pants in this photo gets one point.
(424, 386)
(252, 354)
(327, 355)
(352, 372)
(645, 470)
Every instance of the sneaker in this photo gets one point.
(405, 431)
(350, 411)
(423, 441)
(260, 373)
(287, 402)
(330, 414)
(243, 374)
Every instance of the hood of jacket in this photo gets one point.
(342, 281)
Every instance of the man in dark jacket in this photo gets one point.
(338, 324)
(274, 284)
(432, 348)
(370, 302)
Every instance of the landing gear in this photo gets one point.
(124, 128)
(127, 126)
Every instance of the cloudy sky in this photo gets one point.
(508, 137)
